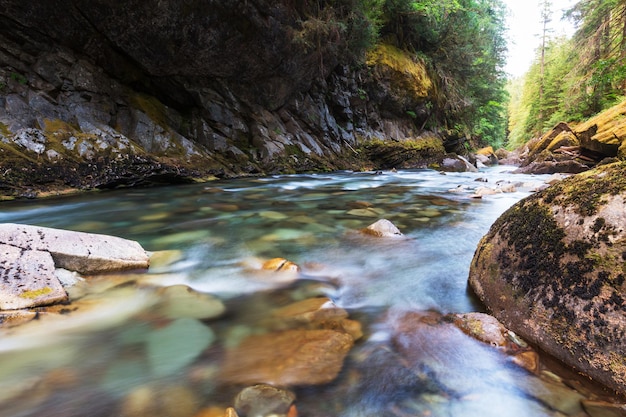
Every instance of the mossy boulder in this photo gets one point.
(547, 140)
(552, 269)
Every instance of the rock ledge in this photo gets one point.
(30, 255)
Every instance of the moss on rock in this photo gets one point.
(405, 73)
(552, 267)
(412, 153)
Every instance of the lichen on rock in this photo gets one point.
(552, 269)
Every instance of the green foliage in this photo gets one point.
(462, 41)
(18, 78)
(582, 76)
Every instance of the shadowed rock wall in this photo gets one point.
(94, 94)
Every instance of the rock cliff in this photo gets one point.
(100, 95)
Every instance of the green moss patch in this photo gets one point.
(404, 154)
(586, 192)
(405, 73)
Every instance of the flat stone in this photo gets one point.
(181, 301)
(603, 409)
(27, 279)
(483, 327)
(288, 358)
(170, 349)
(77, 251)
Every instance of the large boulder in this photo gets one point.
(552, 269)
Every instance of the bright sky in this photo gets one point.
(524, 22)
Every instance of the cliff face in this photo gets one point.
(100, 95)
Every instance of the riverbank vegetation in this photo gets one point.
(461, 42)
(572, 79)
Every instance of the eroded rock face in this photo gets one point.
(95, 96)
(552, 269)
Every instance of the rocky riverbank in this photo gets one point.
(105, 100)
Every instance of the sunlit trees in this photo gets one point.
(581, 76)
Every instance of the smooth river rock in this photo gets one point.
(552, 269)
(287, 358)
(382, 228)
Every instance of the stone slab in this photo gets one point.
(27, 279)
(77, 251)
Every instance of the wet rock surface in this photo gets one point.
(263, 400)
(288, 358)
(551, 269)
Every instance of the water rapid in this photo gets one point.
(218, 232)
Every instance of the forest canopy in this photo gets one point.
(461, 42)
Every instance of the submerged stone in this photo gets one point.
(180, 301)
(603, 409)
(316, 313)
(288, 358)
(170, 349)
(264, 400)
(159, 401)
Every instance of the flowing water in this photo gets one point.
(222, 231)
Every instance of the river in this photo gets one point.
(219, 231)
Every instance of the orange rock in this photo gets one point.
(280, 264)
(528, 360)
(230, 412)
(292, 357)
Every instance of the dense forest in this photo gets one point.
(571, 79)
(463, 44)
